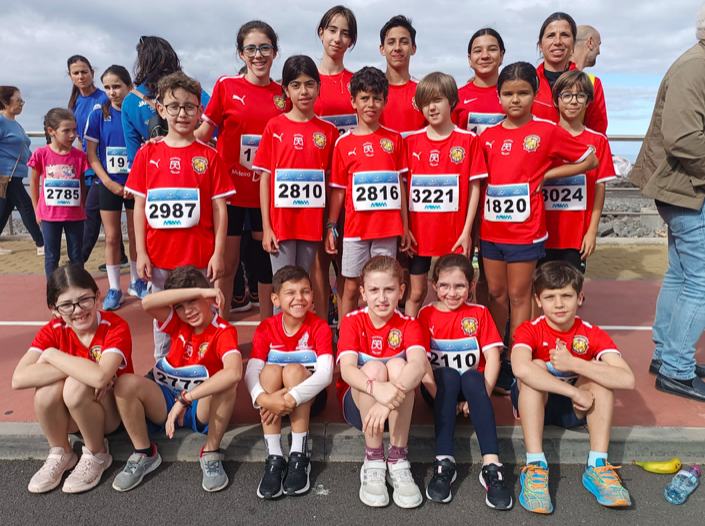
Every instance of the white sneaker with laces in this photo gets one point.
(406, 492)
(373, 488)
(49, 476)
(88, 471)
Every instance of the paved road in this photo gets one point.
(173, 495)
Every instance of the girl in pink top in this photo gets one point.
(58, 189)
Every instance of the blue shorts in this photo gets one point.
(190, 420)
(512, 253)
(558, 410)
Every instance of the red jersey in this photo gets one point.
(359, 337)
(583, 340)
(241, 111)
(178, 185)
(112, 335)
(569, 201)
(333, 102)
(478, 108)
(595, 116)
(401, 113)
(459, 339)
(298, 156)
(273, 345)
(517, 160)
(438, 183)
(369, 167)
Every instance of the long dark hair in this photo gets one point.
(155, 59)
(6, 93)
(53, 119)
(489, 32)
(558, 15)
(75, 92)
(124, 76)
(519, 71)
(345, 13)
(65, 277)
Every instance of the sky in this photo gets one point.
(640, 40)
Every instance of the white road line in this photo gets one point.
(42, 323)
(625, 327)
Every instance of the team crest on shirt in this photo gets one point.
(303, 343)
(376, 345)
(200, 164)
(394, 338)
(457, 154)
(469, 326)
(95, 353)
(387, 145)
(413, 103)
(280, 102)
(434, 158)
(368, 149)
(298, 141)
(175, 165)
(580, 344)
(188, 350)
(202, 349)
(319, 140)
(531, 143)
(507, 147)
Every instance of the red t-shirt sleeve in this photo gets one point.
(402, 161)
(263, 157)
(83, 164)
(323, 337)
(596, 113)
(172, 325)
(136, 181)
(348, 340)
(45, 338)
(478, 165)
(524, 336)
(37, 161)
(565, 146)
(339, 172)
(605, 171)
(118, 339)
(602, 344)
(334, 135)
(413, 336)
(221, 183)
(214, 110)
(260, 342)
(226, 342)
(424, 323)
(489, 335)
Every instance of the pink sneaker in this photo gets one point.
(88, 471)
(49, 476)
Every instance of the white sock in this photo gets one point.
(274, 444)
(299, 442)
(113, 276)
(133, 272)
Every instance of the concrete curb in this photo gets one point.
(341, 443)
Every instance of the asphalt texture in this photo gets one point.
(173, 495)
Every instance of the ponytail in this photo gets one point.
(105, 108)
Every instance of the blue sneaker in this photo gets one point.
(113, 300)
(138, 289)
(604, 483)
(534, 488)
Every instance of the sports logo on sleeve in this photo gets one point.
(394, 338)
(457, 154)
(280, 102)
(200, 164)
(469, 326)
(531, 143)
(580, 344)
(387, 145)
(319, 140)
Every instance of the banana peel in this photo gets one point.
(670, 466)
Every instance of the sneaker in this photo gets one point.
(534, 488)
(138, 465)
(492, 479)
(333, 308)
(406, 492)
(138, 288)
(240, 304)
(373, 489)
(124, 262)
(214, 476)
(505, 379)
(103, 268)
(113, 300)
(444, 475)
(49, 476)
(6, 251)
(271, 485)
(86, 475)
(603, 482)
(296, 481)
(40, 251)
(254, 298)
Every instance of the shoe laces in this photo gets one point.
(608, 476)
(131, 467)
(84, 466)
(537, 476)
(375, 475)
(50, 467)
(404, 476)
(441, 473)
(212, 467)
(494, 479)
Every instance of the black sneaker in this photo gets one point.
(492, 479)
(103, 267)
(505, 378)
(693, 388)
(296, 481)
(124, 262)
(655, 367)
(240, 304)
(271, 485)
(444, 475)
(253, 297)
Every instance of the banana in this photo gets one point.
(671, 466)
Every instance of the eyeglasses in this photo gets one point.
(567, 97)
(264, 50)
(18, 101)
(175, 109)
(458, 288)
(67, 309)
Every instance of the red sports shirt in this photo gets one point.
(178, 185)
(517, 160)
(113, 335)
(298, 155)
(207, 349)
(359, 337)
(401, 113)
(354, 157)
(241, 111)
(587, 342)
(565, 222)
(333, 103)
(460, 338)
(438, 181)
(478, 108)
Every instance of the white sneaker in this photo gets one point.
(406, 492)
(49, 476)
(88, 471)
(373, 489)
(40, 251)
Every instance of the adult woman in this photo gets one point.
(556, 44)
(14, 154)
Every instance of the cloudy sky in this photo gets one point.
(640, 39)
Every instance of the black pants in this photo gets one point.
(247, 266)
(17, 197)
(91, 229)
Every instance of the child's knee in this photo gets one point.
(352, 286)
(394, 368)
(419, 289)
(447, 379)
(76, 393)
(293, 374)
(271, 377)
(126, 386)
(49, 395)
(375, 369)
(473, 381)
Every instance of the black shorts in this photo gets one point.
(571, 255)
(110, 202)
(419, 265)
(236, 220)
(557, 412)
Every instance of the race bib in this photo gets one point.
(178, 379)
(305, 358)
(479, 122)
(299, 189)
(567, 193)
(173, 207)
(434, 193)
(363, 358)
(507, 203)
(461, 355)
(344, 123)
(567, 376)
(62, 192)
(116, 160)
(376, 191)
(248, 149)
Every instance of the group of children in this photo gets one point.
(281, 160)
